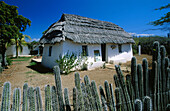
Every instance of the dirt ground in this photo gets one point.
(20, 73)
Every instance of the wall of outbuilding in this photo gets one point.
(11, 51)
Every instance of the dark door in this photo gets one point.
(103, 48)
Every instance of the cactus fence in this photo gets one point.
(144, 90)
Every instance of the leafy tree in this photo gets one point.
(163, 20)
(11, 26)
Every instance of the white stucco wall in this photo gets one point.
(63, 47)
(11, 51)
(50, 61)
(116, 57)
(71, 47)
(91, 49)
(77, 48)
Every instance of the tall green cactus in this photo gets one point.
(147, 104)
(130, 90)
(85, 98)
(151, 81)
(79, 91)
(38, 99)
(156, 99)
(118, 99)
(168, 84)
(31, 98)
(163, 54)
(145, 77)
(75, 104)
(59, 87)
(117, 83)
(48, 106)
(96, 96)
(16, 99)
(156, 57)
(167, 78)
(108, 96)
(112, 97)
(168, 107)
(124, 88)
(103, 98)
(54, 99)
(166, 66)
(89, 93)
(140, 81)
(134, 77)
(67, 102)
(138, 105)
(25, 98)
(116, 79)
(5, 106)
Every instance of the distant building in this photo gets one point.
(101, 41)
(11, 51)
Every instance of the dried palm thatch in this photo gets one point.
(85, 30)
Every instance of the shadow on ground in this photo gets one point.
(40, 68)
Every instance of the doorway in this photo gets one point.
(103, 49)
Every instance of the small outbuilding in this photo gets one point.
(101, 41)
(11, 51)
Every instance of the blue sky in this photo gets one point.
(132, 15)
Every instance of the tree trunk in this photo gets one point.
(16, 43)
(3, 54)
(3, 59)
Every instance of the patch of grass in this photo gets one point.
(28, 72)
(31, 72)
(26, 81)
(32, 64)
(21, 58)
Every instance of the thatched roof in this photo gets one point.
(85, 30)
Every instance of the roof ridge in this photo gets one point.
(74, 15)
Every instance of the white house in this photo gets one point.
(101, 41)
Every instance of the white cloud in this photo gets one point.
(141, 35)
(36, 39)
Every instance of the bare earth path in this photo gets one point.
(19, 73)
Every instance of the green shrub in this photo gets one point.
(1, 69)
(84, 67)
(70, 61)
(9, 61)
(104, 66)
(147, 44)
(135, 48)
